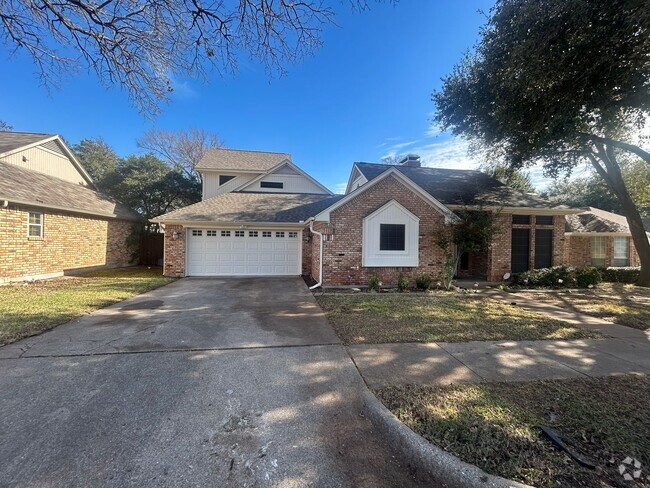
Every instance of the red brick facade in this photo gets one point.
(342, 251)
(577, 251)
(174, 250)
(70, 242)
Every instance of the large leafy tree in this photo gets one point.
(150, 187)
(97, 158)
(559, 82)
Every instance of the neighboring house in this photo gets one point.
(262, 215)
(599, 238)
(52, 219)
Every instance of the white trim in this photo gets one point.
(235, 170)
(286, 162)
(596, 234)
(209, 224)
(351, 180)
(324, 216)
(373, 256)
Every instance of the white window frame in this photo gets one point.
(38, 225)
(390, 213)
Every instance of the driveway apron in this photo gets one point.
(204, 382)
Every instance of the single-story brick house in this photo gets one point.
(262, 215)
(599, 238)
(53, 220)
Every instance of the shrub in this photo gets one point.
(586, 277)
(621, 275)
(556, 277)
(402, 283)
(423, 282)
(374, 284)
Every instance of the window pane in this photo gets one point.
(544, 220)
(520, 250)
(271, 184)
(225, 233)
(621, 251)
(223, 179)
(34, 231)
(521, 219)
(598, 248)
(543, 248)
(252, 233)
(34, 218)
(392, 237)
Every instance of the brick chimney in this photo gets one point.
(410, 160)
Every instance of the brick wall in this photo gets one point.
(343, 242)
(499, 254)
(69, 242)
(174, 251)
(306, 252)
(577, 251)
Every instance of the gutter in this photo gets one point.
(62, 208)
(320, 254)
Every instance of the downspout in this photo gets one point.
(320, 259)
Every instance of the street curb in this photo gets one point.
(426, 457)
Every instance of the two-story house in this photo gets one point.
(261, 215)
(52, 218)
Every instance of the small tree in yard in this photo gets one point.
(473, 231)
(562, 83)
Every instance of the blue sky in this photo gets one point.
(365, 94)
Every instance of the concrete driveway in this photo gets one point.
(204, 382)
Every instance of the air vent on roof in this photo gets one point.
(411, 160)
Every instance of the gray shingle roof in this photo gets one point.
(253, 207)
(30, 187)
(236, 159)
(461, 187)
(596, 220)
(14, 140)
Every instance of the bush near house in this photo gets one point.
(558, 277)
(621, 275)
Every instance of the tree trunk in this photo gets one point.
(611, 173)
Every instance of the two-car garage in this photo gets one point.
(243, 252)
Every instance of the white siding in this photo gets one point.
(291, 184)
(360, 181)
(211, 186)
(391, 213)
(48, 162)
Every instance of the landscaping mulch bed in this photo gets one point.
(29, 308)
(372, 318)
(496, 426)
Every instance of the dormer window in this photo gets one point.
(271, 184)
(223, 179)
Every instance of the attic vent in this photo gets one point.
(411, 160)
(53, 146)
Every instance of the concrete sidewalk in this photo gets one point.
(473, 362)
(627, 350)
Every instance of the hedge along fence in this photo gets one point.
(621, 275)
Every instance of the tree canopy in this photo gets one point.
(96, 157)
(558, 82)
(143, 46)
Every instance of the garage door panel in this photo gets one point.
(243, 253)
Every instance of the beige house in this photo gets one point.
(52, 218)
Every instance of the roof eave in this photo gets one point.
(71, 209)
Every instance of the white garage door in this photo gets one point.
(247, 252)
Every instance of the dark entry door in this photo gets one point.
(520, 250)
(543, 248)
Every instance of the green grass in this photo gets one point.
(495, 426)
(623, 304)
(384, 318)
(27, 309)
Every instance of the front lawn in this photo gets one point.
(366, 318)
(495, 426)
(623, 304)
(27, 309)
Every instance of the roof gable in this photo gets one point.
(454, 187)
(391, 171)
(285, 167)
